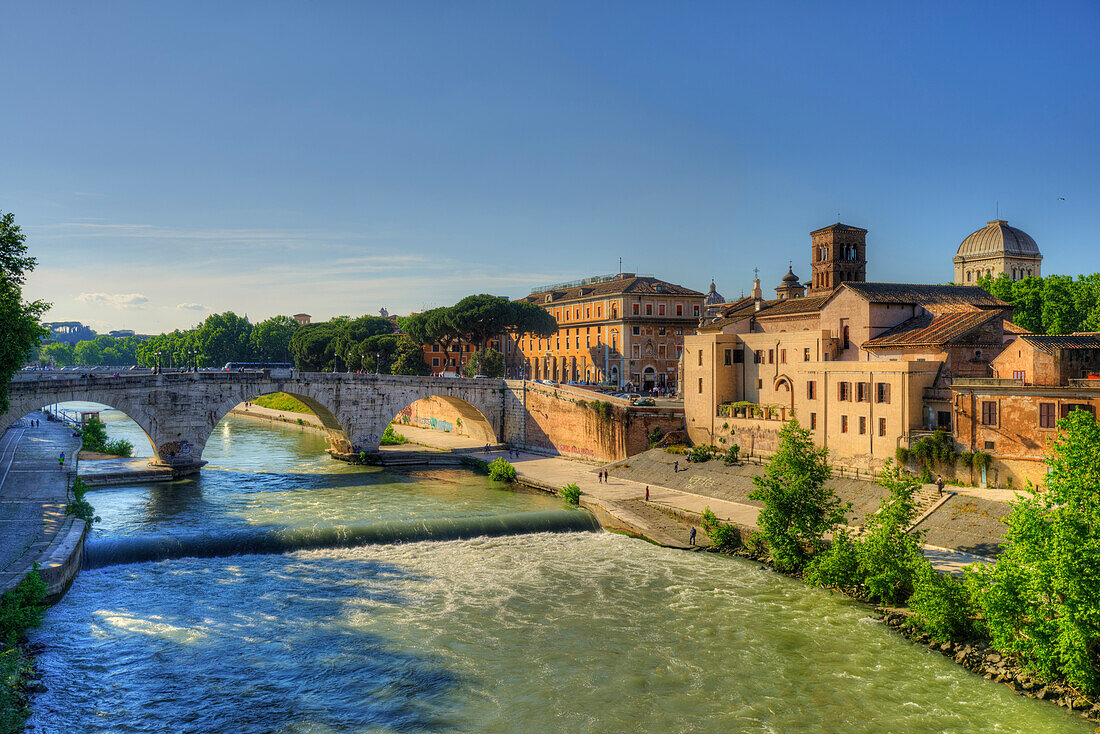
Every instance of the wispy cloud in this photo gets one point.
(117, 300)
(192, 307)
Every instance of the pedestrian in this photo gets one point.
(61, 461)
(939, 485)
(647, 493)
(691, 536)
(675, 466)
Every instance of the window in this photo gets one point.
(679, 351)
(782, 356)
(988, 445)
(599, 311)
(862, 425)
(882, 426)
(882, 394)
(738, 356)
(661, 310)
(1046, 415)
(771, 356)
(635, 331)
(811, 390)
(758, 356)
(588, 341)
(649, 309)
(844, 391)
(636, 307)
(700, 357)
(700, 384)
(989, 413)
(696, 310)
(847, 342)
(843, 424)
(636, 350)
(679, 309)
(435, 361)
(1020, 375)
(861, 392)
(806, 354)
(661, 331)
(759, 384)
(1068, 408)
(729, 357)
(813, 421)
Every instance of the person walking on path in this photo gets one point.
(691, 536)
(939, 485)
(675, 466)
(647, 493)
(61, 461)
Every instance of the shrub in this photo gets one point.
(501, 471)
(940, 604)
(723, 535)
(80, 507)
(655, 436)
(902, 455)
(571, 493)
(756, 545)
(732, 455)
(676, 448)
(93, 437)
(837, 567)
(301, 422)
(926, 475)
(700, 454)
(391, 437)
(22, 608)
(888, 551)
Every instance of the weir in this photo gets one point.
(102, 552)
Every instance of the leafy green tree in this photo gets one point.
(20, 332)
(408, 358)
(312, 346)
(798, 508)
(888, 552)
(377, 353)
(88, 354)
(1027, 304)
(61, 354)
(491, 361)
(351, 334)
(479, 318)
(223, 337)
(271, 339)
(1059, 310)
(1041, 600)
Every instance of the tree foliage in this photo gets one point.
(1056, 304)
(491, 363)
(798, 508)
(1041, 600)
(20, 331)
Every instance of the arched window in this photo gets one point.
(968, 274)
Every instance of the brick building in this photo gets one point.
(614, 329)
(453, 359)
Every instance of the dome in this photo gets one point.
(790, 278)
(713, 296)
(997, 238)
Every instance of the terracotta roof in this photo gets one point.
(1011, 328)
(790, 306)
(633, 285)
(930, 329)
(935, 298)
(1048, 342)
(841, 227)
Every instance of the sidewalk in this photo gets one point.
(33, 494)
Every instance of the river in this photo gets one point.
(540, 632)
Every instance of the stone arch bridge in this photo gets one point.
(179, 411)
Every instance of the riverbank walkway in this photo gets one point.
(625, 499)
(33, 493)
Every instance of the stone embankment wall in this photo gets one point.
(438, 414)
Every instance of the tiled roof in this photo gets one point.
(746, 307)
(930, 329)
(632, 285)
(841, 227)
(936, 298)
(790, 306)
(1011, 328)
(1048, 342)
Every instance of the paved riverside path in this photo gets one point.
(33, 492)
(618, 495)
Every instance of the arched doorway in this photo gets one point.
(649, 378)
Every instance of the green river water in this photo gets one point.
(543, 632)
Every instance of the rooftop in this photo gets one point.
(937, 298)
(930, 329)
(627, 284)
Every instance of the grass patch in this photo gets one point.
(281, 401)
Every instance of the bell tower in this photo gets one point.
(838, 254)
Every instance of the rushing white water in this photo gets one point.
(576, 632)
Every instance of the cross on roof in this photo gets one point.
(756, 272)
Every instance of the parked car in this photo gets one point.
(645, 402)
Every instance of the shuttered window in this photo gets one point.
(989, 413)
(1047, 416)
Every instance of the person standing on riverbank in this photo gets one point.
(647, 493)
(691, 536)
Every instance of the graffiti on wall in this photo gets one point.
(436, 425)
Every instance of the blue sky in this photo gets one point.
(167, 160)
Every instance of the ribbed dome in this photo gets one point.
(713, 296)
(997, 238)
(790, 277)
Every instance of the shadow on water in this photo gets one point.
(251, 647)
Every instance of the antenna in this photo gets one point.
(620, 266)
(998, 208)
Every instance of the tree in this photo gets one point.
(1041, 600)
(312, 346)
(223, 337)
(798, 508)
(270, 339)
(351, 334)
(480, 318)
(409, 358)
(433, 327)
(491, 361)
(376, 353)
(61, 354)
(87, 354)
(20, 332)
(531, 318)
(1059, 310)
(888, 553)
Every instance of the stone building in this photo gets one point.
(862, 365)
(616, 329)
(1038, 379)
(994, 249)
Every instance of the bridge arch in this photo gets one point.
(451, 414)
(20, 406)
(337, 434)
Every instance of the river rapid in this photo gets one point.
(539, 632)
